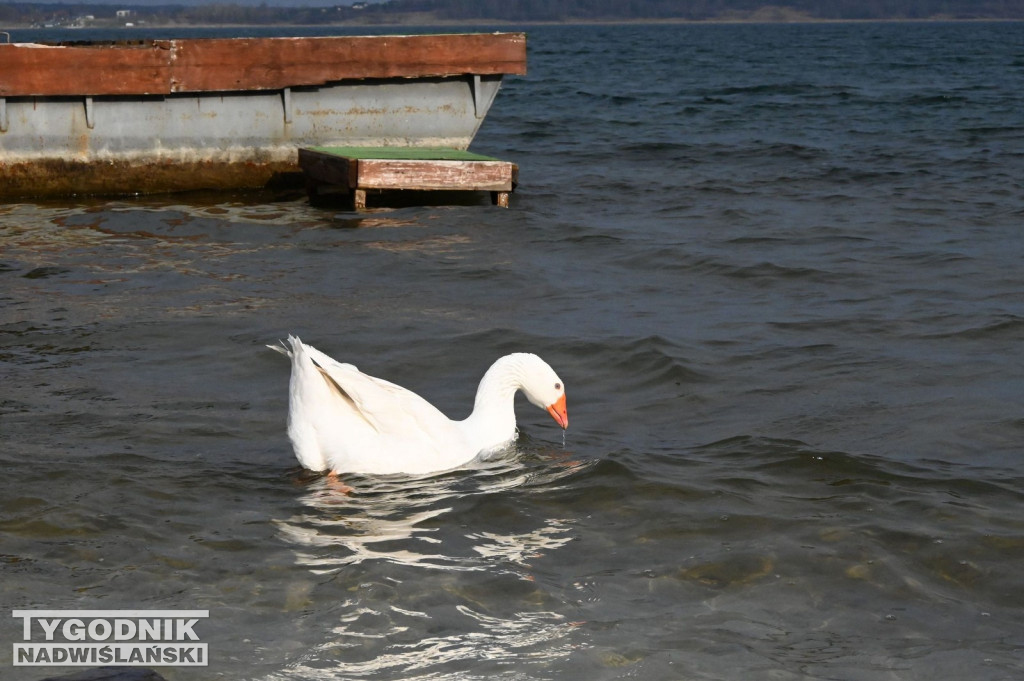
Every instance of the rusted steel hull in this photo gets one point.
(183, 115)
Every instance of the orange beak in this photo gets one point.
(559, 413)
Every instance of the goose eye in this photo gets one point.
(558, 386)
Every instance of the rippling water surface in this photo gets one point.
(779, 269)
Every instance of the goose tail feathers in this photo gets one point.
(287, 347)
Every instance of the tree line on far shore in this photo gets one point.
(483, 11)
(708, 10)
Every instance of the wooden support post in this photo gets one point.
(359, 199)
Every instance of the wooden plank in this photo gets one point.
(435, 175)
(230, 64)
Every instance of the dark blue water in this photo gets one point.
(778, 268)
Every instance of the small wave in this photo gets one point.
(648, 362)
(768, 272)
(594, 240)
(933, 100)
(615, 99)
(717, 153)
(1001, 327)
(651, 150)
(29, 343)
(480, 647)
(783, 465)
(793, 88)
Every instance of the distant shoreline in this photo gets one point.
(441, 23)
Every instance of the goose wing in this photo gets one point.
(391, 410)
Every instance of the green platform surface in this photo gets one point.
(404, 153)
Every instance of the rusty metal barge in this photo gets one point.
(179, 115)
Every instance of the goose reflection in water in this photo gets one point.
(434, 577)
(398, 519)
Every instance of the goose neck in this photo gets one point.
(499, 385)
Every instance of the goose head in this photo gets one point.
(493, 422)
(543, 388)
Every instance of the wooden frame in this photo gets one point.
(355, 171)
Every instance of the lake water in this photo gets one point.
(779, 269)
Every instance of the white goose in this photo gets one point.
(344, 421)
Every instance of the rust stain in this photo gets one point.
(52, 178)
(223, 64)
